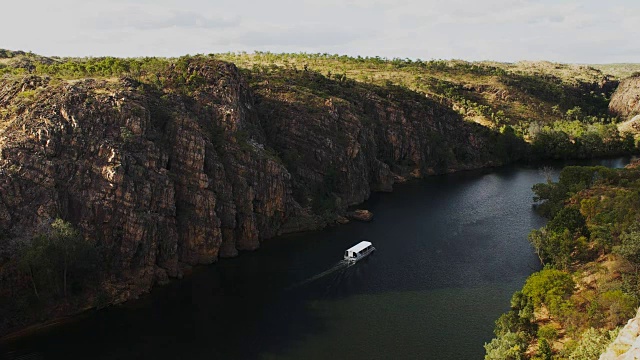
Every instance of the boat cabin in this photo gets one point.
(358, 251)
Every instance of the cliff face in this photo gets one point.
(203, 165)
(625, 101)
(627, 345)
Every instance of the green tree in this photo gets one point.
(620, 306)
(569, 218)
(550, 198)
(591, 344)
(32, 259)
(548, 332)
(574, 113)
(557, 247)
(544, 350)
(510, 346)
(57, 253)
(629, 247)
(549, 287)
(67, 247)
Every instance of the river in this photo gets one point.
(451, 250)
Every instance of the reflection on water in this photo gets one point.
(450, 252)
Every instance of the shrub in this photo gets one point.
(510, 346)
(548, 332)
(549, 287)
(591, 344)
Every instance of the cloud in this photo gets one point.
(303, 36)
(138, 18)
(504, 30)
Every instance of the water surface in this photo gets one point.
(451, 250)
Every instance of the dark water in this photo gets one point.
(451, 250)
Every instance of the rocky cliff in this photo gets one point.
(200, 164)
(625, 101)
(627, 345)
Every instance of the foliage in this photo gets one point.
(548, 332)
(563, 240)
(58, 260)
(551, 196)
(617, 305)
(629, 247)
(559, 248)
(577, 139)
(499, 93)
(550, 288)
(593, 214)
(590, 345)
(510, 346)
(569, 218)
(544, 349)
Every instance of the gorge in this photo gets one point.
(167, 164)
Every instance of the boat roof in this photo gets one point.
(360, 246)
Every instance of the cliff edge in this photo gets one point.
(625, 101)
(627, 345)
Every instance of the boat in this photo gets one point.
(358, 251)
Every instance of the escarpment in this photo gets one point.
(206, 162)
(625, 101)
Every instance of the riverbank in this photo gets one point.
(589, 285)
(449, 232)
(612, 162)
(456, 235)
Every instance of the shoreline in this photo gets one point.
(22, 332)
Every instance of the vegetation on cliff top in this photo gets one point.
(495, 93)
(562, 109)
(589, 285)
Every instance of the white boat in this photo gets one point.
(359, 251)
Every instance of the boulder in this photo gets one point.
(360, 215)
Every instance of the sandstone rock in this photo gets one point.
(360, 215)
(627, 345)
(625, 101)
(342, 220)
(630, 126)
(399, 179)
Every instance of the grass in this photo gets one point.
(620, 71)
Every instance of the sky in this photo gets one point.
(501, 30)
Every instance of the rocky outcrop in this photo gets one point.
(205, 165)
(625, 101)
(627, 345)
(360, 215)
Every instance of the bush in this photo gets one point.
(629, 247)
(569, 218)
(548, 332)
(544, 350)
(57, 258)
(510, 346)
(591, 344)
(619, 306)
(549, 287)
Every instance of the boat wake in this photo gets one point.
(340, 265)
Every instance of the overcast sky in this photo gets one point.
(587, 31)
